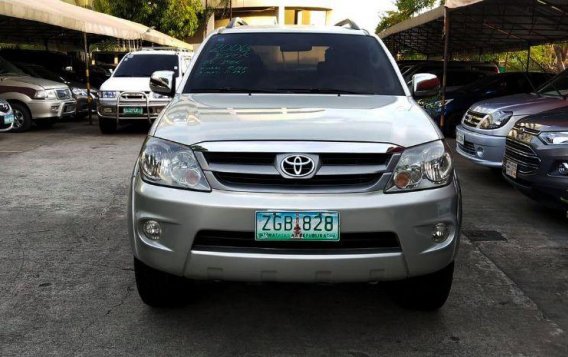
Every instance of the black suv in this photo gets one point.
(536, 157)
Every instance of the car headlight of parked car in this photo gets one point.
(422, 167)
(495, 120)
(107, 94)
(159, 96)
(79, 91)
(554, 138)
(45, 94)
(166, 163)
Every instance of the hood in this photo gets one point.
(34, 81)
(191, 119)
(553, 120)
(520, 104)
(126, 84)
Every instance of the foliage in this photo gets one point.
(405, 9)
(177, 18)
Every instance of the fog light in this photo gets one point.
(55, 108)
(152, 229)
(563, 168)
(440, 233)
(108, 110)
(479, 151)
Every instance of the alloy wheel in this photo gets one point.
(18, 119)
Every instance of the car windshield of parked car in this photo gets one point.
(293, 63)
(8, 68)
(558, 86)
(145, 65)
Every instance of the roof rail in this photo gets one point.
(349, 24)
(237, 21)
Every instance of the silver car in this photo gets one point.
(294, 155)
(482, 135)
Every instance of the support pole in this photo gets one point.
(230, 9)
(528, 56)
(87, 77)
(445, 69)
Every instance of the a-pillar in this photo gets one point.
(281, 14)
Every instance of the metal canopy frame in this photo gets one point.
(479, 26)
(487, 26)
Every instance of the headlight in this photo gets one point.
(169, 164)
(495, 120)
(422, 167)
(554, 138)
(159, 96)
(45, 94)
(106, 94)
(79, 91)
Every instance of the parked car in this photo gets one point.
(536, 157)
(481, 136)
(78, 89)
(499, 85)
(34, 100)
(278, 161)
(126, 96)
(6, 116)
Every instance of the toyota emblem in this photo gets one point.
(298, 166)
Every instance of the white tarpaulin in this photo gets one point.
(75, 18)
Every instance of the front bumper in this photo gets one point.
(545, 185)
(46, 109)
(151, 109)
(182, 214)
(482, 149)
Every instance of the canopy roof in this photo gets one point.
(481, 26)
(25, 21)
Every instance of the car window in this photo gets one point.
(292, 62)
(145, 65)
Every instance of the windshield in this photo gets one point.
(40, 72)
(8, 68)
(145, 65)
(293, 63)
(558, 86)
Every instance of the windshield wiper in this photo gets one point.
(320, 91)
(232, 90)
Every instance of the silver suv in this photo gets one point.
(294, 155)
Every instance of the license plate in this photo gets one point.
(460, 138)
(511, 169)
(8, 119)
(132, 111)
(295, 226)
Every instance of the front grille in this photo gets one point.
(467, 147)
(527, 160)
(133, 96)
(63, 94)
(473, 119)
(244, 242)
(276, 180)
(250, 171)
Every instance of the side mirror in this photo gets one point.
(425, 85)
(163, 82)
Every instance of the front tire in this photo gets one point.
(427, 292)
(159, 289)
(107, 126)
(22, 118)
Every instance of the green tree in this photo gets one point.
(177, 18)
(405, 9)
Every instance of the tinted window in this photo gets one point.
(145, 65)
(293, 63)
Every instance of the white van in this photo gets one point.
(126, 95)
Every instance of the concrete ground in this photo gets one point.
(67, 285)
